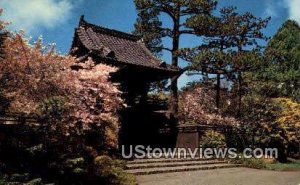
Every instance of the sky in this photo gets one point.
(55, 20)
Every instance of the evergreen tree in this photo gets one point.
(214, 55)
(282, 74)
(230, 49)
(151, 26)
(248, 32)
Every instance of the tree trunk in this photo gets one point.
(239, 93)
(239, 85)
(218, 96)
(205, 77)
(299, 148)
(174, 80)
(218, 91)
(299, 142)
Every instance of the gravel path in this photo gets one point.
(231, 176)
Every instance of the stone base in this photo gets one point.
(187, 137)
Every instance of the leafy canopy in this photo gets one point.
(283, 55)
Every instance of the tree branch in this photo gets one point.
(166, 32)
(167, 9)
(191, 32)
(163, 48)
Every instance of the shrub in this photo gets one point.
(79, 111)
(20, 179)
(289, 120)
(249, 162)
(271, 123)
(113, 171)
(52, 108)
(213, 139)
(37, 181)
(37, 78)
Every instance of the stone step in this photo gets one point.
(170, 155)
(157, 170)
(168, 160)
(173, 164)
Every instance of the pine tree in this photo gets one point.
(213, 57)
(151, 26)
(283, 54)
(248, 32)
(230, 49)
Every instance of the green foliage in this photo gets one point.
(151, 27)
(53, 108)
(289, 120)
(2, 181)
(149, 24)
(37, 181)
(272, 123)
(74, 163)
(112, 171)
(291, 165)
(249, 162)
(21, 179)
(35, 150)
(260, 127)
(213, 139)
(281, 75)
(230, 49)
(270, 115)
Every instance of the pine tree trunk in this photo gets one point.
(174, 80)
(239, 93)
(218, 95)
(218, 91)
(239, 86)
(174, 98)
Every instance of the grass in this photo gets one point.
(291, 165)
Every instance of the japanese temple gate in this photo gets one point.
(143, 122)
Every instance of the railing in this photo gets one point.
(19, 119)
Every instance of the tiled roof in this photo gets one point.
(118, 46)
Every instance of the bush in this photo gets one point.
(271, 123)
(79, 111)
(112, 171)
(249, 162)
(20, 179)
(213, 139)
(289, 120)
(53, 108)
(35, 182)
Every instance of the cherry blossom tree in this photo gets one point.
(33, 74)
(197, 105)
